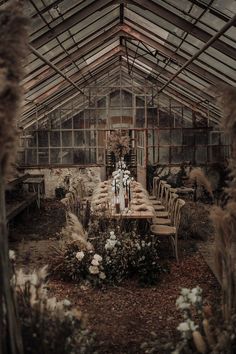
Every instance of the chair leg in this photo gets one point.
(174, 244)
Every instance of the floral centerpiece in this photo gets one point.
(118, 144)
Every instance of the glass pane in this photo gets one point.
(67, 156)
(176, 137)
(176, 155)
(55, 156)
(140, 117)
(188, 137)
(79, 121)
(101, 156)
(188, 154)
(90, 138)
(79, 139)
(55, 138)
(164, 136)
(201, 154)
(79, 156)
(43, 139)
(126, 98)
(66, 138)
(66, 122)
(140, 101)
(115, 99)
(164, 119)
(43, 156)
(101, 102)
(201, 137)
(31, 157)
(163, 155)
(152, 117)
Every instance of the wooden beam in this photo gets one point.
(76, 55)
(186, 26)
(69, 22)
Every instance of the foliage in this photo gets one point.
(48, 325)
(121, 254)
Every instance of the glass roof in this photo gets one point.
(79, 43)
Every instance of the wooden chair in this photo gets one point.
(164, 198)
(156, 191)
(171, 231)
(170, 218)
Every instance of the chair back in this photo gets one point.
(172, 204)
(177, 212)
(165, 200)
(156, 186)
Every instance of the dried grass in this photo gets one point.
(225, 219)
(198, 175)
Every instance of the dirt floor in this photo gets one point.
(122, 317)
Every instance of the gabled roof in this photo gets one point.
(77, 43)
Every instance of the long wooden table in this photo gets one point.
(104, 195)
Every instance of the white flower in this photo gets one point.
(95, 262)
(192, 325)
(79, 255)
(93, 270)
(97, 257)
(179, 300)
(184, 306)
(110, 244)
(197, 291)
(113, 237)
(102, 275)
(184, 291)
(192, 298)
(66, 303)
(183, 327)
(12, 255)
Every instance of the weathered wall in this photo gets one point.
(61, 177)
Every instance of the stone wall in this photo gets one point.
(65, 177)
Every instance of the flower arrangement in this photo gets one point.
(115, 255)
(118, 144)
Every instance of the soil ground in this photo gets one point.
(123, 317)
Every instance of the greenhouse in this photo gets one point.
(117, 176)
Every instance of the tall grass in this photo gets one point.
(225, 219)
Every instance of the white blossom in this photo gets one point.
(184, 291)
(102, 275)
(197, 291)
(97, 257)
(95, 262)
(79, 255)
(66, 303)
(93, 270)
(183, 327)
